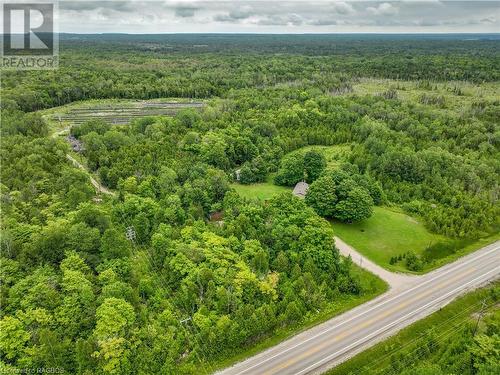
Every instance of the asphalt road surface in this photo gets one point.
(322, 347)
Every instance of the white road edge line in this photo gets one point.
(367, 311)
(326, 359)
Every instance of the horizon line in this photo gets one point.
(288, 33)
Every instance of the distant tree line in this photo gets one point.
(183, 287)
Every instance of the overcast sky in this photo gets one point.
(278, 16)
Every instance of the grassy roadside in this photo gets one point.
(476, 245)
(372, 287)
(443, 327)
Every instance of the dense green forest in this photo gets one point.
(176, 272)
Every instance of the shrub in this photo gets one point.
(413, 263)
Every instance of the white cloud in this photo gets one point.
(278, 16)
(235, 15)
(343, 8)
(286, 20)
(384, 9)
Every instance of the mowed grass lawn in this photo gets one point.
(262, 191)
(386, 234)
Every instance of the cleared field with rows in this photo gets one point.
(118, 112)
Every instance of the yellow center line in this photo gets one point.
(365, 324)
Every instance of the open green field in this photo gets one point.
(386, 234)
(262, 191)
(457, 96)
(390, 233)
(444, 328)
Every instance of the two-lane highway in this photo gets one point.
(334, 341)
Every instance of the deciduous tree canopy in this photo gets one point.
(176, 268)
